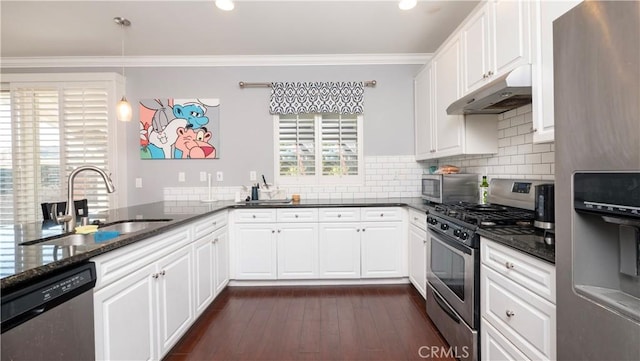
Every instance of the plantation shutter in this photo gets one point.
(55, 127)
(339, 145)
(6, 173)
(297, 147)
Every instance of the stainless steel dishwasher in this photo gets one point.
(51, 319)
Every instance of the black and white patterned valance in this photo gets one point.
(316, 97)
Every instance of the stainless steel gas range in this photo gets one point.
(453, 272)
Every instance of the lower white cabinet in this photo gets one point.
(220, 259)
(255, 251)
(125, 316)
(418, 258)
(518, 314)
(382, 250)
(339, 250)
(297, 249)
(141, 316)
(204, 274)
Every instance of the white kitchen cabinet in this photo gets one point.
(126, 317)
(496, 39)
(382, 246)
(543, 14)
(175, 305)
(339, 250)
(204, 273)
(496, 347)
(256, 257)
(516, 303)
(418, 251)
(220, 259)
(297, 249)
(423, 98)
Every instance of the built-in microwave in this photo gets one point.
(446, 188)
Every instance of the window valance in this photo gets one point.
(316, 97)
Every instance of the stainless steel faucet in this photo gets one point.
(69, 219)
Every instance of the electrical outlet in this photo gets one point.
(181, 177)
(219, 176)
(203, 176)
(138, 182)
(252, 175)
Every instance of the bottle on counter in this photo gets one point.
(484, 190)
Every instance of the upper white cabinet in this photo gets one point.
(437, 133)
(423, 94)
(543, 14)
(496, 39)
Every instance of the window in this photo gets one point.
(46, 130)
(319, 149)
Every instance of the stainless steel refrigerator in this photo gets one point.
(597, 140)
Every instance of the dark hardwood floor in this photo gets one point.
(386, 322)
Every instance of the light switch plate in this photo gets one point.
(203, 176)
(181, 177)
(219, 176)
(252, 175)
(138, 182)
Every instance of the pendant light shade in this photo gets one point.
(407, 4)
(123, 109)
(226, 5)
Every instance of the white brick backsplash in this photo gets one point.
(517, 156)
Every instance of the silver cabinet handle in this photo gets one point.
(296, 216)
(490, 73)
(363, 230)
(215, 240)
(484, 76)
(273, 231)
(339, 215)
(381, 214)
(214, 223)
(415, 218)
(509, 265)
(279, 231)
(155, 275)
(254, 216)
(510, 313)
(358, 230)
(424, 241)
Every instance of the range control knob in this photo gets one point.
(432, 220)
(444, 226)
(464, 235)
(457, 232)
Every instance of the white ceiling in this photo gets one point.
(198, 28)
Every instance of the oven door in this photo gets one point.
(451, 272)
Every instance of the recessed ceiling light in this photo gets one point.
(226, 5)
(407, 4)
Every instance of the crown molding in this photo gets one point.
(213, 61)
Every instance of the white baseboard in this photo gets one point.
(332, 282)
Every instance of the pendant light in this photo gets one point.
(226, 5)
(123, 109)
(407, 4)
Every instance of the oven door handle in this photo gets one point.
(443, 305)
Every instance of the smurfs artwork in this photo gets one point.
(179, 128)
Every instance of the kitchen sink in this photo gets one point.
(132, 226)
(266, 201)
(70, 240)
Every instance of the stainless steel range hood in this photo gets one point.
(507, 92)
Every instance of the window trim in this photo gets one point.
(115, 85)
(318, 179)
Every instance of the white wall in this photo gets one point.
(246, 127)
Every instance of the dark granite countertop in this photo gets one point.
(21, 265)
(530, 244)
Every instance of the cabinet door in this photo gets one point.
(297, 250)
(448, 129)
(382, 247)
(417, 258)
(339, 250)
(221, 259)
(256, 252)
(496, 347)
(175, 300)
(204, 273)
(125, 318)
(511, 34)
(476, 50)
(423, 94)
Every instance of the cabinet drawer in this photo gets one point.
(339, 214)
(209, 224)
(496, 347)
(116, 264)
(255, 215)
(527, 271)
(418, 219)
(382, 214)
(527, 320)
(297, 215)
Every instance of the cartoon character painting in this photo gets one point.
(179, 128)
